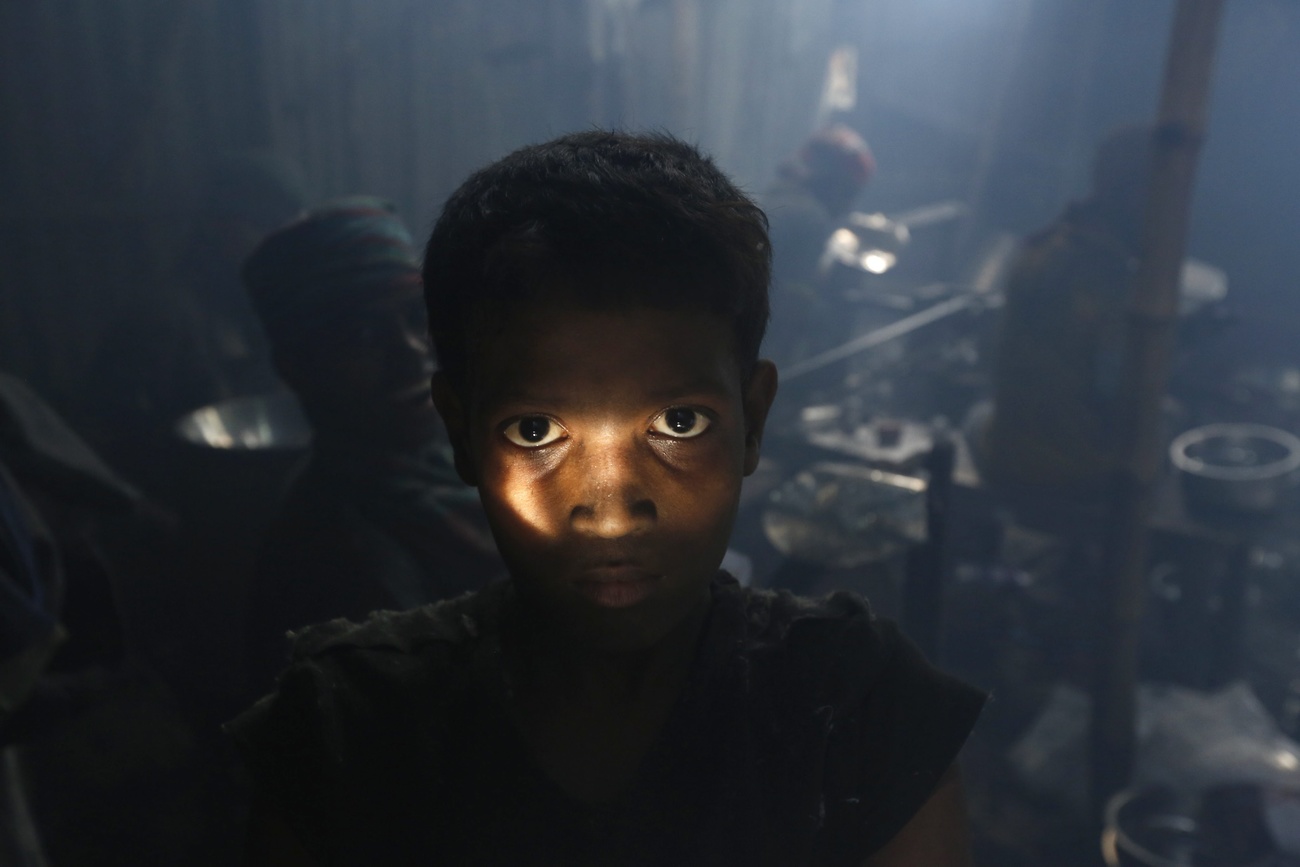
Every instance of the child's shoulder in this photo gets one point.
(449, 624)
(827, 678)
(772, 613)
(834, 630)
(340, 670)
(372, 683)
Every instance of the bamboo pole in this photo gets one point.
(1154, 306)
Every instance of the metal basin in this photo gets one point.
(262, 423)
(234, 461)
(1148, 828)
(1228, 825)
(1238, 467)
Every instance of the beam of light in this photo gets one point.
(525, 502)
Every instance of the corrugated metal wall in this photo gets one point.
(107, 112)
(113, 111)
(405, 97)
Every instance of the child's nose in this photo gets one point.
(614, 499)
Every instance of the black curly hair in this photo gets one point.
(610, 220)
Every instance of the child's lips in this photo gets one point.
(617, 585)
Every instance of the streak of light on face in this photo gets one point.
(526, 502)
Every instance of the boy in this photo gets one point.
(597, 305)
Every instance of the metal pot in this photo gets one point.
(1238, 467)
(1148, 828)
(1232, 824)
(266, 422)
(234, 461)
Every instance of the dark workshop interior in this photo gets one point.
(1032, 316)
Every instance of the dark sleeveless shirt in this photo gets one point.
(808, 733)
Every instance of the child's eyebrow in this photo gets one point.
(705, 386)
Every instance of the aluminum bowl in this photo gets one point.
(245, 424)
(1148, 828)
(1237, 467)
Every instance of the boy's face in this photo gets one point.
(608, 448)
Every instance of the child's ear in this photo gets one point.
(760, 391)
(453, 415)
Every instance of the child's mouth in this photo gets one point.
(617, 586)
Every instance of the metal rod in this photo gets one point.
(880, 336)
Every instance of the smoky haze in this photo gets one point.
(127, 127)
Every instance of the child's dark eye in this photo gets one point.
(533, 431)
(680, 422)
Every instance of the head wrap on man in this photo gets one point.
(834, 153)
(318, 266)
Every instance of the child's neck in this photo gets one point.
(590, 718)
(622, 678)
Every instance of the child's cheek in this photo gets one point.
(699, 486)
(717, 455)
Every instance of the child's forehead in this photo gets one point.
(565, 314)
(558, 347)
